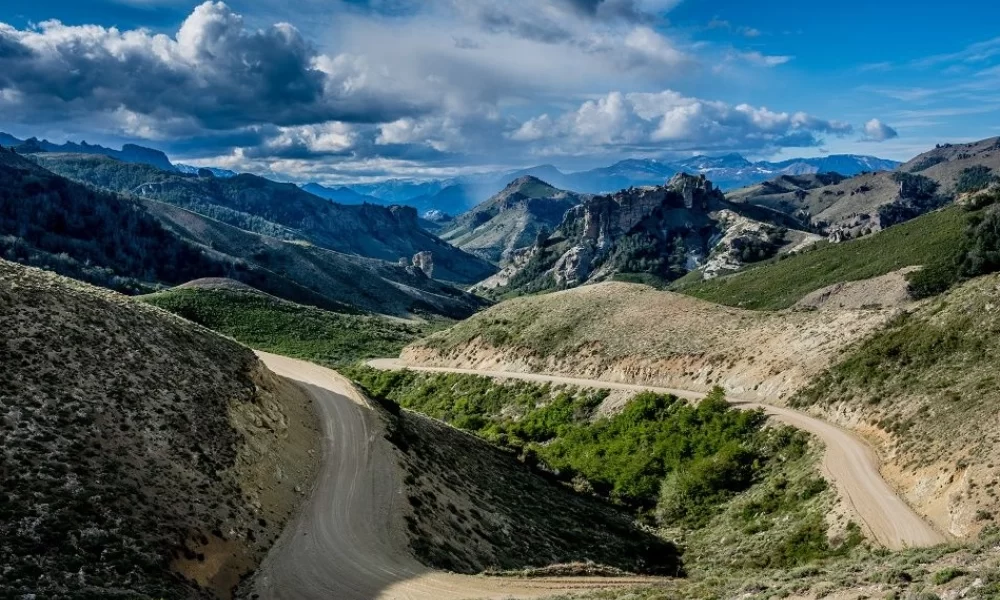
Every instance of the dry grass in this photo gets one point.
(627, 332)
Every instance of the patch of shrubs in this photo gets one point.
(974, 179)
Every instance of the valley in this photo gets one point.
(668, 390)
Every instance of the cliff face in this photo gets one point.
(606, 219)
(659, 232)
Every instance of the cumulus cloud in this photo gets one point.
(399, 87)
(215, 73)
(877, 131)
(671, 121)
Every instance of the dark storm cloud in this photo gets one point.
(215, 73)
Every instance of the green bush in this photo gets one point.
(973, 179)
(945, 575)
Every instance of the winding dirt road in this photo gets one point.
(349, 541)
(848, 462)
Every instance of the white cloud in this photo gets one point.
(762, 60)
(877, 131)
(671, 121)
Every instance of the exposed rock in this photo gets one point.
(573, 267)
(425, 262)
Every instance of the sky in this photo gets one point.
(341, 91)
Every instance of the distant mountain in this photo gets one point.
(848, 207)
(652, 234)
(844, 164)
(134, 245)
(216, 172)
(729, 171)
(511, 220)
(343, 195)
(281, 210)
(130, 153)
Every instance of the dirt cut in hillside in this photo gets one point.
(634, 333)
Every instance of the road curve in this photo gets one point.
(349, 541)
(848, 462)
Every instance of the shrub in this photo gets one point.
(973, 179)
(945, 575)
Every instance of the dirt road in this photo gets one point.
(848, 462)
(349, 542)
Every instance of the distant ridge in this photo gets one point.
(130, 153)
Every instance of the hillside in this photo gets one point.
(268, 323)
(143, 456)
(561, 428)
(511, 220)
(655, 234)
(620, 331)
(919, 390)
(933, 239)
(99, 237)
(280, 210)
(845, 208)
(959, 168)
(308, 274)
(136, 246)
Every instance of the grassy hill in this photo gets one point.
(280, 210)
(267, 323)
(140, 451)
(920, 389)
(933, 239)
(621, 331)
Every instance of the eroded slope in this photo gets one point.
(924, 390)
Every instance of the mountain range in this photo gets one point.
(457, 195)
(279, 210)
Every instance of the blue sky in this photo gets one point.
(340, 91)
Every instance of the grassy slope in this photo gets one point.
(135, 449)
(774, 518)
(779, 284)
(927, 380)
(274, 325)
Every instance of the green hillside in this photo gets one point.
(934, 239)
(282, 327)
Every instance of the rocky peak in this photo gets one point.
(696, 190)
(607, 218)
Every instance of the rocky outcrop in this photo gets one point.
(662, 231)
(425, 262)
